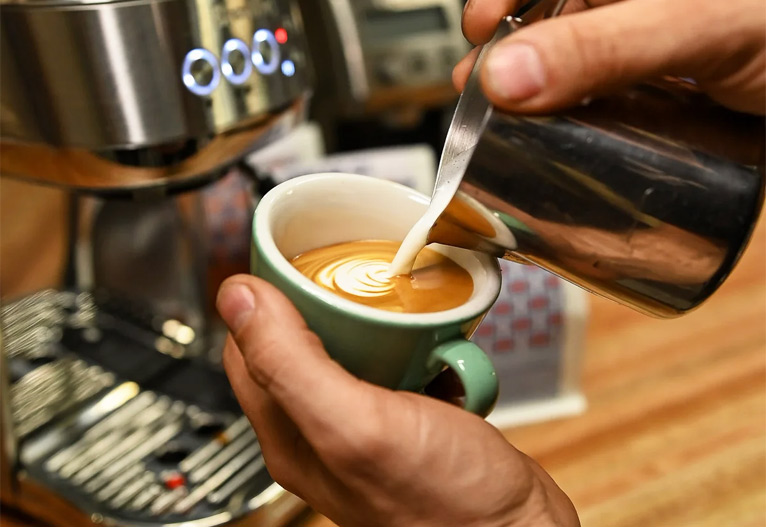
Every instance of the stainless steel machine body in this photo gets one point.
(113, 413)
(647, 197)
(133, 94)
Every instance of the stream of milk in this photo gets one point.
(452, 174)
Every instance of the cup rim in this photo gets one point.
(281, 265)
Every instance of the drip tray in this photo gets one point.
(126, 434)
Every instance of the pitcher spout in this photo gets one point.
(468, 224)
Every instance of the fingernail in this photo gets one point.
(235, 304)
(465, 7)
(515, 72)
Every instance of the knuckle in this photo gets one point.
(363, 447)
(227, 357)
(574, 51)
(281, 471)
(312, 339)
(360, 451)
(265, 355)
(587, 49)
(262, 361)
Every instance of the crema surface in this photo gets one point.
(359, 271)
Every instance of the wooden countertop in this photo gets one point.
(675, 431)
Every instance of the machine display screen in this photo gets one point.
(382, 24)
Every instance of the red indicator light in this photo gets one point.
(174, 480)
(281, 35)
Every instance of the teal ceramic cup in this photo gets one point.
(402, 351)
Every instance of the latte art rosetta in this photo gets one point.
(359, 271)
(359, 278)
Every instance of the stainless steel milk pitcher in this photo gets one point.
(647, 197)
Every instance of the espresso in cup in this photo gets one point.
(359, 271)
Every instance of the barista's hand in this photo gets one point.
(362, 455)
(721, 44)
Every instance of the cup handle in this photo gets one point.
(475, 371)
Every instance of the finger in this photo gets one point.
(287, 360)
(463, 69)
(273, 428)
(559, 62)
(556, 501)
(481, 18)
(288, 456)
(572, 6)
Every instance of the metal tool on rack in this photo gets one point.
(123, 451)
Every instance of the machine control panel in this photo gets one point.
(166, 75)
(265, 54)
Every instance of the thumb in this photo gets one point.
(285, 358)
(561, 61)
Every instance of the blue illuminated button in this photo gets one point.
(288, 68)
(235, 62)
(200, 73)
(265, 55)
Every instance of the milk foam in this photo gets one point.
(417, 238)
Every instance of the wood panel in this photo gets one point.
(33, 237)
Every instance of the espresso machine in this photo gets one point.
(115, 408)
(386, 70)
